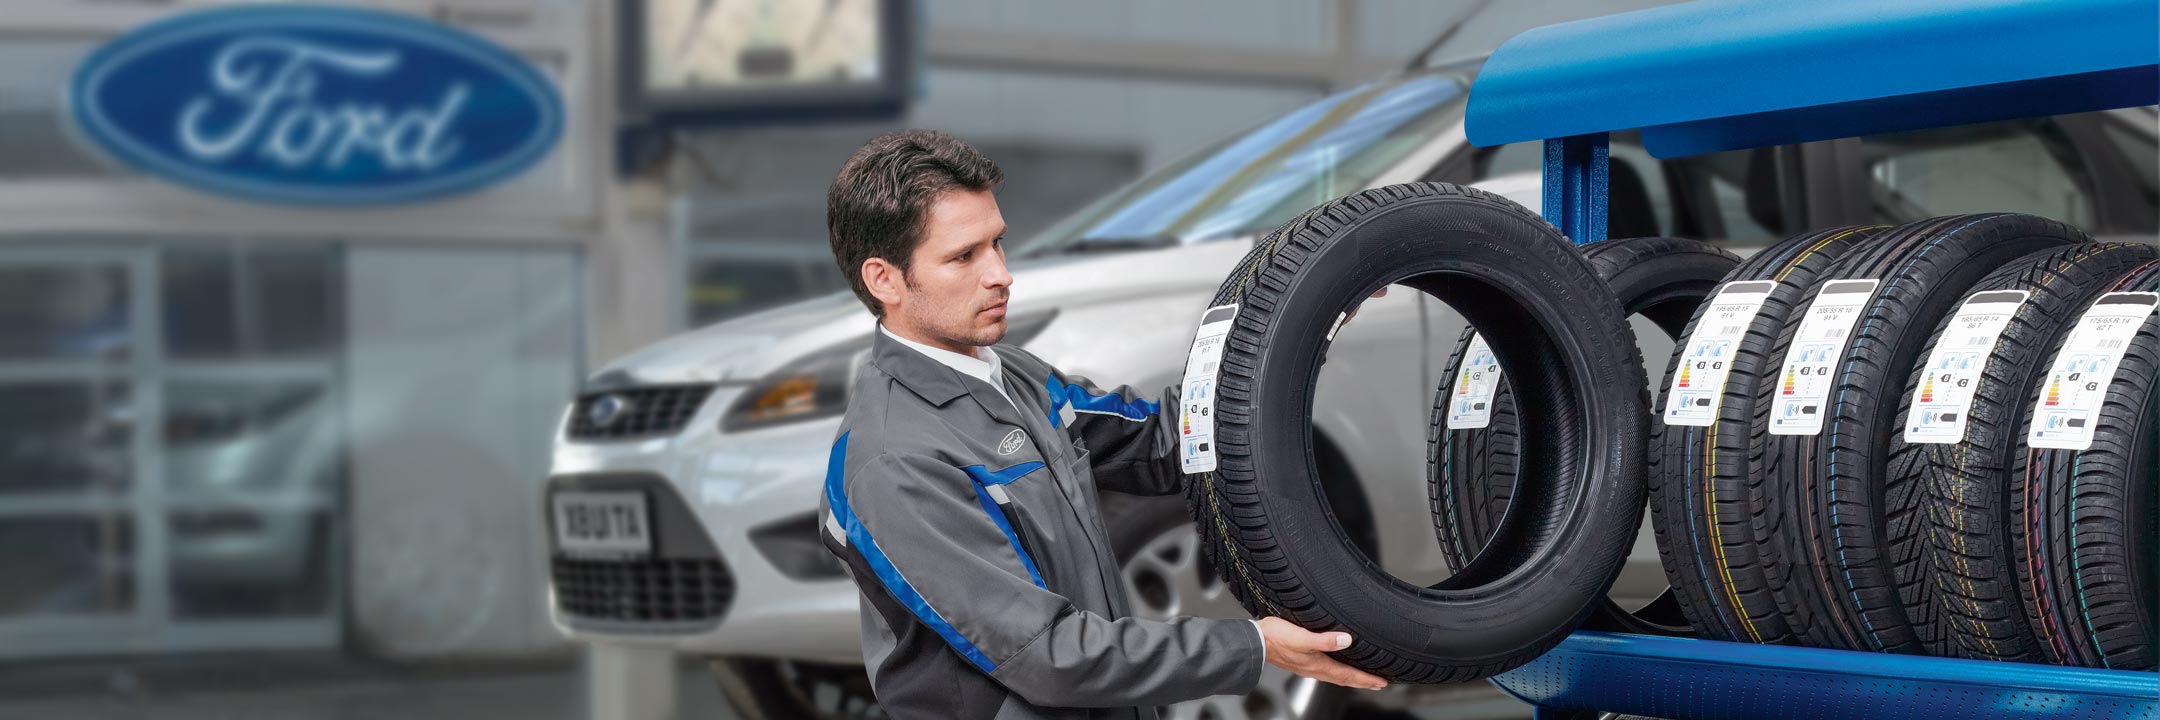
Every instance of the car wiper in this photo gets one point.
(1120, 243)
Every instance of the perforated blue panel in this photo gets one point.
(1684, 679)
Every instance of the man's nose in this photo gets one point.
(997, 277)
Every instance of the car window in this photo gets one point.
(1640, 199)
(2138, 149)
(1736, 194)
(1257, 180)
(2019, 166)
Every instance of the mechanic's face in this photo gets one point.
(953, 294)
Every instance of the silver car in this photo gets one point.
(686, 475)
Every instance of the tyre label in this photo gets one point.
(1470, 401)
(1803, 391)
(1196, 414)
(2069, 405)
(1698, 385)
(1954, 369)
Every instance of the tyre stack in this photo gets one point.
(1936, 438)
(1474, 443)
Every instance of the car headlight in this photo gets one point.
(815, 386)
(811, 387)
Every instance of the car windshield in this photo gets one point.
(1259, 179)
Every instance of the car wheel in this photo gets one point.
(1166, 576)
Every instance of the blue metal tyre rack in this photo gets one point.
(1715, 75)
(1681, 678)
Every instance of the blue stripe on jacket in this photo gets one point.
(1081, 400)
(887, 575)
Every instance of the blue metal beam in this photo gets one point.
(1687, 679)
(1575, 179)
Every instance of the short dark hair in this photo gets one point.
(877, 204)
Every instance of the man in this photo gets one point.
(961, 491)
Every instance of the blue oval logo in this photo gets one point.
(316, 105)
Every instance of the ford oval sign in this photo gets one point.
(316, 105)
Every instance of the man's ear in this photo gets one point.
(885, 281)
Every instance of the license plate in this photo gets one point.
(602, 523)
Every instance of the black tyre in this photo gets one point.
(1827, 452)
(1159, 560)
(1952, 460)
(1470, 472)
(2082, 523)
(1575, 510)
(1707, 510)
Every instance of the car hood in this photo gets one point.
(746, 348)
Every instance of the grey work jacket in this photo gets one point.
(971, 527)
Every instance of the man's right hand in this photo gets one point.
(1305, 652)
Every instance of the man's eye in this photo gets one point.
(966, 256)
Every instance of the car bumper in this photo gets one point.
(730, 487)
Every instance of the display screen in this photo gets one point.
(715, 46)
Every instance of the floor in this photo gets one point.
(318, 686)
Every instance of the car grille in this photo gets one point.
(651, 590)
(640, 412)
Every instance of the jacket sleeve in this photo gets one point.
(1131, 434)
(939, 550)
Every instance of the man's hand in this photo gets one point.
(1344, 319)
(1305, 652)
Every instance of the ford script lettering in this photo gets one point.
(316, 105)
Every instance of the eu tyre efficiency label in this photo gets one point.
(1698, 385)
(1196, 402)
(1943, 400)
(1470, 401)
(2069, 404)
(1803, 390)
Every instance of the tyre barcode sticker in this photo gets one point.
(1803, 389)
(1196, 411)
(1943, 400)
(1470, 401)
(2069, 404)
(1698, 385)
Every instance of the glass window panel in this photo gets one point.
(237, 300)
(230, 563)
(200, 307)
(67, 565)
(65, 436)
(1732, 177)
(256, 439)
(1998, 167)
(63, 311)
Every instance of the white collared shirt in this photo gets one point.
(988, 371)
